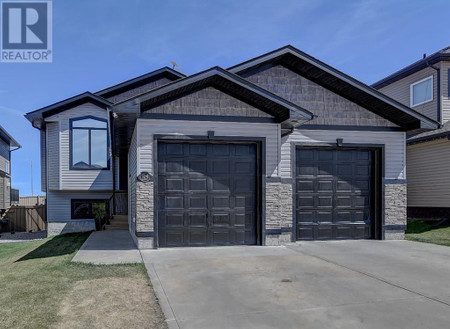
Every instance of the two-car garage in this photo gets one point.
(209, 193)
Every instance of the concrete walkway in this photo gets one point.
(108, 247)
(342, 284)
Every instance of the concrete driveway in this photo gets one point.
(342, 284)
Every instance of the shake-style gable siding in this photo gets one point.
(400, 91)
(393, 141)
(209, 101)
(429, 174)
(139, 90)
(147, 128)
(330, 108)
(75, 179)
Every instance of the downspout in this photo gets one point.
(113, 162)
(438, 91)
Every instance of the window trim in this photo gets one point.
(72, 208)
(411, 88)
(71, 167)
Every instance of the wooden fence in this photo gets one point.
(24, 219)
(32, 200)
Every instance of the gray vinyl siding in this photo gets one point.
(76, 179)
(52, 147)
(429, 174)
(209, 101)
(147, 128)
(394, 143)
(400, 91)
(132, 170)
(43, 161)
(59, 203)
(328, 107)
(4, 155)
(140, 90)
(5, 191)
(445, 66)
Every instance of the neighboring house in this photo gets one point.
(7, 145)
(424, 86)
(276, 149)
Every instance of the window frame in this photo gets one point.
(7, 167)
(411, 91)
(72, 207)
(71, 128)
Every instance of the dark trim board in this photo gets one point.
(192, 117)
(428, 213)
(211, 138)
(378, 179)
(343, 127)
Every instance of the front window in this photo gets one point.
(422, 91)
(88, 209)
(89, 144)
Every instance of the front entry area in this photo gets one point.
(207, 193)
(335, 193)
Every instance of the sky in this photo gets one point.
(99, 43)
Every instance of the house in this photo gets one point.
(7, 145)
(279, 148)
(424, 86)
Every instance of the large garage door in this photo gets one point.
(206, 194)
(334, 194)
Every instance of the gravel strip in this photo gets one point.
(22, 236)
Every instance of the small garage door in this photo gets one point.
(206, 194)
(334, 192)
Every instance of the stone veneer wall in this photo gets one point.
(395, 205)
(145, 230)
(144, 207)
(278, 212)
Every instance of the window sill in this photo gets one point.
(418, 104)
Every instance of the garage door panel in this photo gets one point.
(206, 194)
(333, 193)
(197, 166)
(198, 184)
(197, 219)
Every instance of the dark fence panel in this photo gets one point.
(24, 219)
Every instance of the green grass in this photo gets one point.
(36, 277)
(426, 231)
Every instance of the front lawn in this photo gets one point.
(40, 288)
(427, 231)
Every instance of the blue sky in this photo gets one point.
(100, 43)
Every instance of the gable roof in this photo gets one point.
(339, 83)
(441, 55)
(164, 72)
(8, 138)
(36, 117)
(129, 110)
(225, 81)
